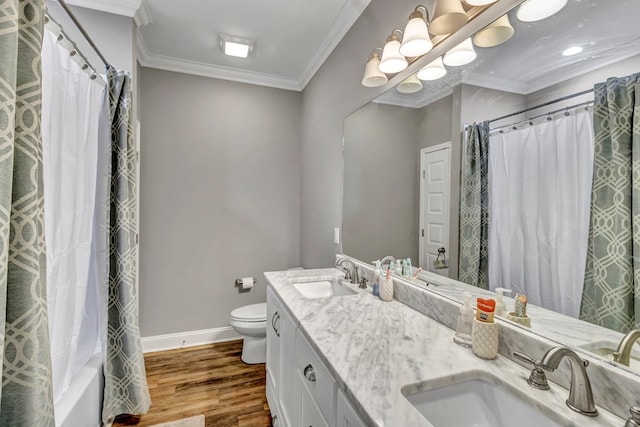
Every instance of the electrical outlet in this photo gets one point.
(336, 235)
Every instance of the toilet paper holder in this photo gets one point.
(239, 281)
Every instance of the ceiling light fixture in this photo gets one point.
(573, 50)
(536, 10)
(416, 40)
(233, 46)
(494, 34)
(433, 70)
(448, 17)
(411, 84)
(392, 60)
(373, 77)
(462, 54)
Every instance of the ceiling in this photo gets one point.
(292, 39)
(532, 59)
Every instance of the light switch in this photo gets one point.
(336, 235)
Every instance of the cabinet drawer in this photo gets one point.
(347, 416)
(315, 376)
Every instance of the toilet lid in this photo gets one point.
(251, 313)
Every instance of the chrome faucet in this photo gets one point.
(351, 271)
(580, 394)
(623, 353)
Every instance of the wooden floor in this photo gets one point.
(209, 380)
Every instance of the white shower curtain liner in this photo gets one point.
(74, 131)
(539, 194)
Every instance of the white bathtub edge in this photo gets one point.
(188, 339)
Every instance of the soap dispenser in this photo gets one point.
(501, 308)
(465, 323)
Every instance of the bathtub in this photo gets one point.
(81, 404)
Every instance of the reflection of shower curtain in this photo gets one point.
(74, 122)
(539, 193)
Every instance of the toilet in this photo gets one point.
(250, 321)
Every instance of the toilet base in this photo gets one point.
(254, 350)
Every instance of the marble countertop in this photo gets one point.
(374, 348)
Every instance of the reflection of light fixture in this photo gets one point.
(373, 77)
(392, 60)
(573, 50)
(535, 10)
(235, 47)
(462, 54)
(448, 17)
(433, 70)
(479, 2)
(494, 34)
(410, 85)
(416, 40)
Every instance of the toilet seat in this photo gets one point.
(254, 313)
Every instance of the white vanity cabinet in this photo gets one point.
(346, 416)
(280, 362)
(300, 389)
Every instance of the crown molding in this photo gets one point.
(143, 16)
(420, 100)
(117, 7)
(349, 14)
(505, 85)
(150, 60)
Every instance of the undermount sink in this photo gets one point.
(323, 289)
(605, 349)
(477, 399)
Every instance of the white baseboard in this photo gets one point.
(189, 339)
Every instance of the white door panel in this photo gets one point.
(435, 165)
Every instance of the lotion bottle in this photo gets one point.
(465, 323)
(501, 307)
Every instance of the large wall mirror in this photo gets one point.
(403, 151)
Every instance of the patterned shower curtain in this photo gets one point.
(126, 390)
(611, 296)
(27, 396)
(474, 208)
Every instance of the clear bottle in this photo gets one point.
(465, 323)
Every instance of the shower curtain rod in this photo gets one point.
(549, 114)
(564, 98)
(84, 33)
(76, 51)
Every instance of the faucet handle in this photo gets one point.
(537, 378)
(634, 419)
(363, 283)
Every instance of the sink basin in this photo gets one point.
(605, 349)
(323, 289)
(477, 399)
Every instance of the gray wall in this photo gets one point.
(220, 198)
(380, 174)
(334, 93)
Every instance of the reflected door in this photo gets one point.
(434, 204)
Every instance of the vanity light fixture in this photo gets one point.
(461, 54)
(233, 46)
(573, 50)
(433, 70)
(448, 17)
(392, 60)
(536, 10)
(373, 77)
(416, 40)
(411, 84)
(494, 34)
